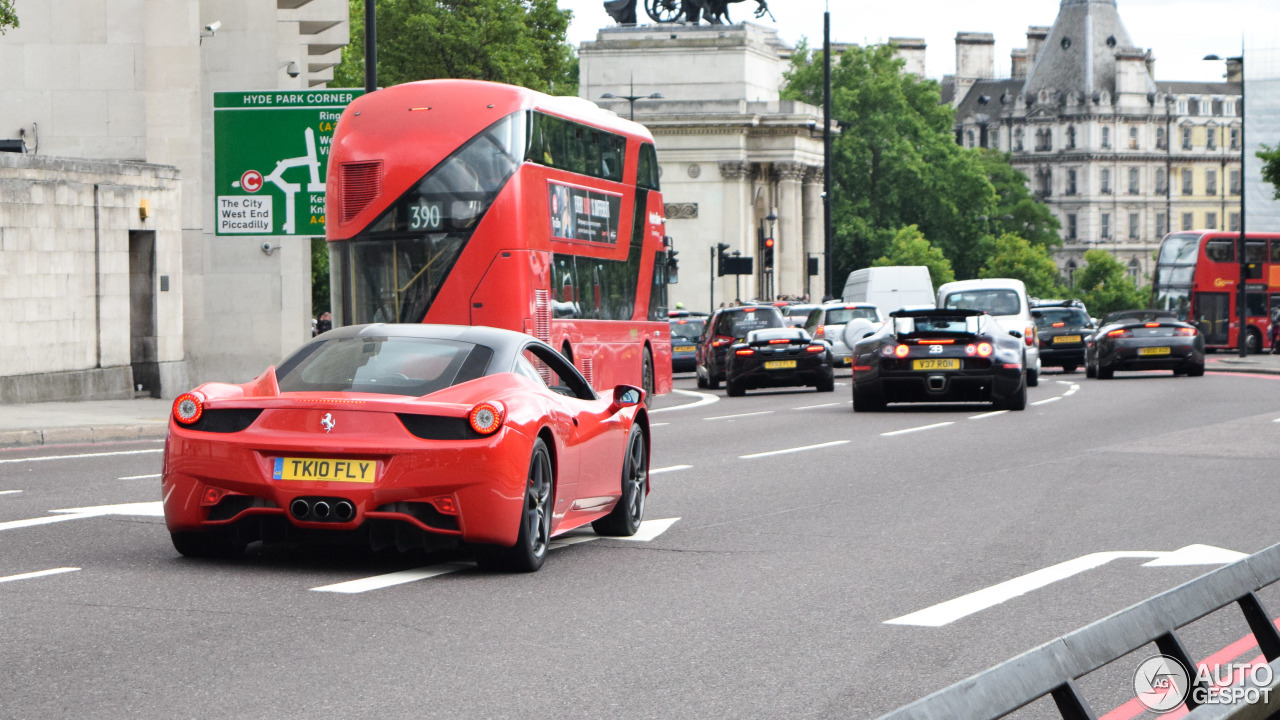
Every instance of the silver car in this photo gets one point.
(827, 323)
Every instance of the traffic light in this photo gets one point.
(766, 259)
(720, 257)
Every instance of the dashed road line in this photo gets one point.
(988, 414)
(739, 415)
(814, 407)
(916, 429)
(671, 468)
(803, 448)
(38, 573)
(1047, 400)
(77, 457)
(9, 492)
(140, 477)
(654, 425)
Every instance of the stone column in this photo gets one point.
(788, 253)
(813, 231)
(736, 227)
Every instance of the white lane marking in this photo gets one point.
(649, 529)
(671, 468)
(143, 509)
(139, 477)
(1064, 382)
(1047, 400)
(965, 605)
(38, 573)
(792, 450)
(9, 492)
(841, 384)
(988, 414)
(739, 415)
(814, 407)
(916, 429)
(396, 578)
(703, 399)
(654, 425)
(85, 455)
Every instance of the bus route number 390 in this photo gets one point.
(425, 216)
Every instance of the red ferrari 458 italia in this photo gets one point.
(407, 436)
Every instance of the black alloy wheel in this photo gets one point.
(1017, 400)
(625, 518)
(533, 541)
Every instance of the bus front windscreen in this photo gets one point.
(396, 266)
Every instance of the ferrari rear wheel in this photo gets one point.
(530, 550)
(209, 544)
(625, 518)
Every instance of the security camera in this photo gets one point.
(213, 27)
(292, 69)
(266, 248)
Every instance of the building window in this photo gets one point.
(1106, 181)
(1017, 140)
(1234, 182)
(968, 138)
(1044, 182)
(1162, 181)
(1133, 138)
(1188, 183)
(1161, 225)
(1133, 181)
(1210, 183)
(1211, 138)
(1186, 138)
(1071, 273)
(1211, 221)
(1206, 107)
(1235, 138)
(1134, 269)
(1044, 140)
(1182, 107)
(1188, 221)
(1071, 137)
(1133, 226)
(1106, 226)
(1071, 182)
(1229, 107)
(1160, 138)
(1106, 137)
(995, 139)
(1072, 233)
(1233, 222)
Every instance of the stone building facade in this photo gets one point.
(111, 91)
(731, 153)
(1119, 157)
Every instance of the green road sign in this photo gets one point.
(271, 152)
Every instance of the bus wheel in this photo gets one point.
(646, 378)
(1253, 343)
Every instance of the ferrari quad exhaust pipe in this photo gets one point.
(343, 511)
(300, 508)
(320, 510)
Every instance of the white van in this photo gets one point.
(1006, 300)
(890, 288)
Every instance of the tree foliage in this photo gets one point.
(1012, 256)
(519, 42)
(8, 16)
(1270, 157)
(1017, 211)
(910, 247)
(1105, 286)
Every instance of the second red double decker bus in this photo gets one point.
(476, 203)
(1198, 277)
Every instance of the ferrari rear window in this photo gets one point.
(386, 365)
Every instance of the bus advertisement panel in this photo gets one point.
(476, 203)
(1198, 277)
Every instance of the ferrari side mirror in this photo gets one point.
(625, 396)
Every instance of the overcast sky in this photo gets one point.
(1181, 32)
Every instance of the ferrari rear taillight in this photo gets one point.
(486, 418)
(188, 408)
(985, 349)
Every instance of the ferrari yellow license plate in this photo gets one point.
(1154, 351)
(685, 348)
(1067, 339)
(938, 364)
(324, 470)
(779, 364)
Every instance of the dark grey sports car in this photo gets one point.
(1144, 340)
(940, 356)
(778, 357)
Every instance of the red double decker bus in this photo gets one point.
(476, 203)
(1198, 277)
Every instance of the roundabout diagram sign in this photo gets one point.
(271, 152)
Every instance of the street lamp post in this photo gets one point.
(632, 98)
(1242, 308)
(828, 285)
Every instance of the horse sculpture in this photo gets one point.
(715, 12)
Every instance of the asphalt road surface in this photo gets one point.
(803, 529)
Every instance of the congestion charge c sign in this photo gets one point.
(251, 181)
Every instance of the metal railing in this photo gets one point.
(1053, 668)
